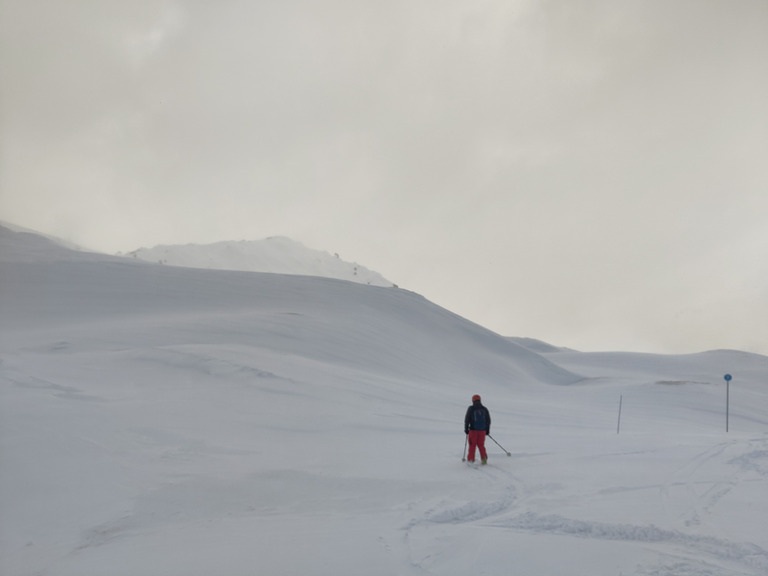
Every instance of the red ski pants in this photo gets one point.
(476, 440)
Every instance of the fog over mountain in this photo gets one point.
(276, 254)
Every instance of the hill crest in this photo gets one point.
(275, 254)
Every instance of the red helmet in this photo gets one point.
(476, 398)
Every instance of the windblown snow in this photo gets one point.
(160, 420)
(275, 254)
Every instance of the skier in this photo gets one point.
(477, 423)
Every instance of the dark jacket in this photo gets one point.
(469, 419)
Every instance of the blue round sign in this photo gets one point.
(728, 377)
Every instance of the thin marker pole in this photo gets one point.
(618, 424)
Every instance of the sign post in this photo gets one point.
(728, 379)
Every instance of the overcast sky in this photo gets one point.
(590, 173)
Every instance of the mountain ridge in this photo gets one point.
(275, 254)
(343, 317)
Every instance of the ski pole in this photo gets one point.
(499, 445)
(463, 454)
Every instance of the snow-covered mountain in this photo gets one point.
(20, 242)
(179, 421)
(275, 254)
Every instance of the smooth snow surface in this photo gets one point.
(276, 254)
(177, 422)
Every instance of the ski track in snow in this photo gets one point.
(679, 554)
(750, 555)
(699, 503)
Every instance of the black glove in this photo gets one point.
(466, 432)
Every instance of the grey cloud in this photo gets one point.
(583, 163)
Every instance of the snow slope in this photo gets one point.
(177, 421)
(275, 254)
